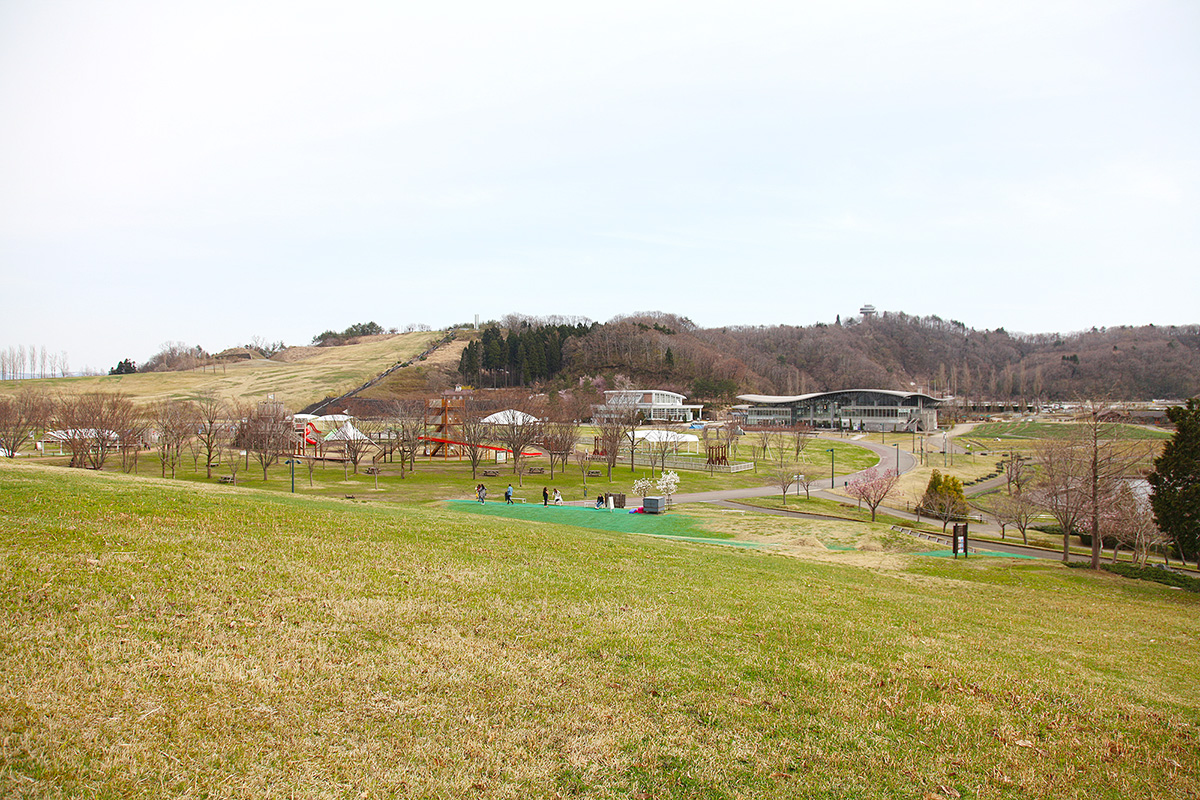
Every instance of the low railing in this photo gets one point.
(697, 464)
(931, 537)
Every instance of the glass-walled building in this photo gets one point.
(855, 409)
(654, 404)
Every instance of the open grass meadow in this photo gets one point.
(1001, 438)
(308, 374)
(166, 638)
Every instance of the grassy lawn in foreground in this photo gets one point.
(166, 638)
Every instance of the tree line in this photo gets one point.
(1090, 483)
(18, 362)
(893, 350)
(529, 353)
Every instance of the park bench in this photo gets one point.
(374, 471)
(491, 473)
(225, 479)
(593, 473)
(537, 470)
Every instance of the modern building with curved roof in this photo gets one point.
(859, 409)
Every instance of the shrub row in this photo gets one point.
(1155, 573)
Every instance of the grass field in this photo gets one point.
(166, 638)
(321, 372)
(1001, 437)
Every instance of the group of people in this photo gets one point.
(481, 495)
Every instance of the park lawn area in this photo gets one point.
(172, 638)
(443, 479)
(1005, 431)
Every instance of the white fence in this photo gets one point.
(676, 462)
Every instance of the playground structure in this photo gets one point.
(444, 421)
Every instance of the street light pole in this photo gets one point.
(832, 483)
(897, 446)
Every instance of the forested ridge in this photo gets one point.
(892, 350)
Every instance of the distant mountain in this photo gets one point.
(889, 351)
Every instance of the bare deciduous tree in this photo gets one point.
(475, 434)
(21, 417)
(785, 476)
(268, 433)
(802, 438)
(210, 425)
(97, 424)
(518, 430)
(1111, 461)
(765, 438)
(1079, 474)
(1018, 510)
(560, 437)
(355, 440)
(617, 422)
(175, 422)
(1129, 520)
(1018, 472)
(1061, 486)
(584, 460)
(408, 419)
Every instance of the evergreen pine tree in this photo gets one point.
(1175, 482)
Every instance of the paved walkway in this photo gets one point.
(728, 498)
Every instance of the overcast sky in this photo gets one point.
(208, 172)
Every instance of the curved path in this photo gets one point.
(728, 498)
(887, 458)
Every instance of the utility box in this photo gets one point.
(618, 500)
(654, 505)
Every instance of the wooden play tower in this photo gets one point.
(443, 425)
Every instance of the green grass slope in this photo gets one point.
(314, 374)
(162, 638)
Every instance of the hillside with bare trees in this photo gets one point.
(891, 351)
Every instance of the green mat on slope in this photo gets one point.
(672, 525)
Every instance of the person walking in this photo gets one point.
(481, 493)
(545, 497)
(557, 497)
(508, 495)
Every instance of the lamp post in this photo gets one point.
(291, 462)
(897, 446)
(832, 482)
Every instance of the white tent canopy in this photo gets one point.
(80, 433)
(655, 437)
(347, 433)
(510, 416)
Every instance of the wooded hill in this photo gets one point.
(888, 351)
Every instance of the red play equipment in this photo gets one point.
(482, 446)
